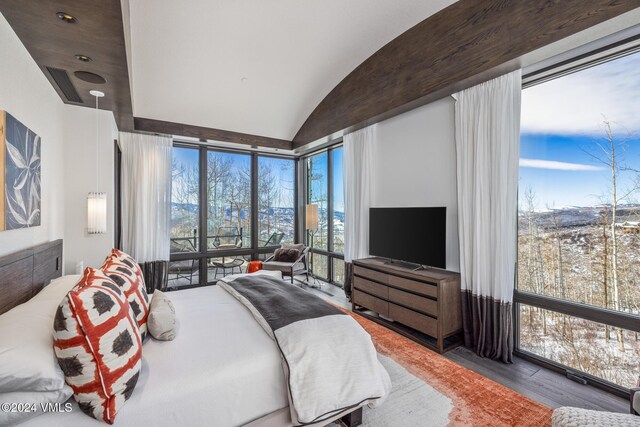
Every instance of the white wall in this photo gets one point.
(27, 95)
(415, 165)
(80, 179)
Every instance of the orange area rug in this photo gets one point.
(477, 401)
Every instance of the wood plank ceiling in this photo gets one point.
(430, 60)
(53, 43)
(444, 53)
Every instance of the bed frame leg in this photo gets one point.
(353, 419)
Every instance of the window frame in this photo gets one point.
(203, 253)
(329, 252)
(616, 319)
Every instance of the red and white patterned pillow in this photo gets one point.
(98, 345)
(126, 273)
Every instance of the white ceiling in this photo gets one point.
(189, 57)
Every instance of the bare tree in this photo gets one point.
(610, 153)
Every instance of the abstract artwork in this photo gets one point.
(19, 175)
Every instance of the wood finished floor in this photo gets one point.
(540, 384)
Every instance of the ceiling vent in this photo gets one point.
(64, 84)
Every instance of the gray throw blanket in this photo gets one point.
(329, 361)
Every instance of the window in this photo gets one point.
(184, 269)
(579, 221)
(276, 201)
(338, 202)
(215, 191)
(185, 200)
(229, 205)
(318, 182)
(325, 189)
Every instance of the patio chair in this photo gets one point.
(227, 238)
(299, 266)
(273, 241)
(182, 269)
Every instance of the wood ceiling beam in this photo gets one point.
(454, 49)
(171, 128)
(98, 34)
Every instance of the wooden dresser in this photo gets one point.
(422, 305)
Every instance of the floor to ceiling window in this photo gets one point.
(244, 202)
(324, 189)
(184, 267)
(578, 284)
(229, 202)
(276, 201)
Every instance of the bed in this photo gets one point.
(222, 369)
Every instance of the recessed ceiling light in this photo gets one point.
(96, 93)
(69, 19)
(244, 79)
(83, 58)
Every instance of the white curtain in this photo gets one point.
(357, 165)
(146, 196)
(487, 118)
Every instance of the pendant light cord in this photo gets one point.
(97, 157)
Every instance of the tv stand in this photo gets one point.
(424, 303)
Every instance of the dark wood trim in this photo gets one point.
(171, 128)
(99, 34)
(592, 313)
(462, 45)
(24, 273)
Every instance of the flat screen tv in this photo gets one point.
(414, 235)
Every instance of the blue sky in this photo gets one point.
(319, 186)
(562, 121)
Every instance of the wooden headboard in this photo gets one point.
(24, 273)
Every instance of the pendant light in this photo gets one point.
(97, 201)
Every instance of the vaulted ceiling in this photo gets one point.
(285, 73)
(254, 66)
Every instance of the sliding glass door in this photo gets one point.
(578, 289)
(243, 201)
(324, 188)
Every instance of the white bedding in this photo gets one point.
(195, 380)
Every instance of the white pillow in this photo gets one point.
(162, 317)
(27, 359)
(34, 401)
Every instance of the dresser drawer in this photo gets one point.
(413, 286)
(370, 274)
(371, 302)
(417, 321)
(370, 287)
(415, 302)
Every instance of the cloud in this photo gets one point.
(576, 103)
(561, 166)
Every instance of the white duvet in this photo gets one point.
(221, 370)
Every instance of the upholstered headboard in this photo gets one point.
(24, 273)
